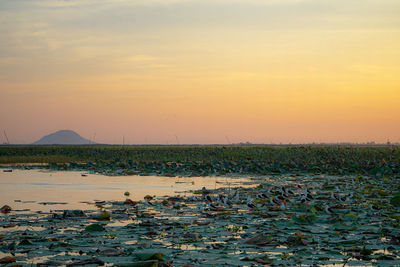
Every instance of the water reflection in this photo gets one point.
(49, 190)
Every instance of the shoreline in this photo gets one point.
(90, 169)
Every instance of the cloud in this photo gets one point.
(142, 58)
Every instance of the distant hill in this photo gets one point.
(63, 137)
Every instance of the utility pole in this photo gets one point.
(227, 139)
(8, 142)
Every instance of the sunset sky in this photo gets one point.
(206, 71)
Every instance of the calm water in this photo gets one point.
(25, 189)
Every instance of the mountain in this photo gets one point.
(63, 137)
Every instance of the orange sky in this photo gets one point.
(202, 71)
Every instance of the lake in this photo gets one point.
(25, 189)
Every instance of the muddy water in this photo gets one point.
(33, 189)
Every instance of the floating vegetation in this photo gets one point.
(280, 220)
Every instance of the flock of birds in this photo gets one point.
(277, 197)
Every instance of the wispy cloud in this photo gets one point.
(196, 57)
(142, 58)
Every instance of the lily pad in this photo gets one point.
(260, 240)
(94, 228)
(25, 242)
(395, 201)
(103, 216)
(350, 216)
(149, 256)
(151, 263)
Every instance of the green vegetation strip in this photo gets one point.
(211, 160)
